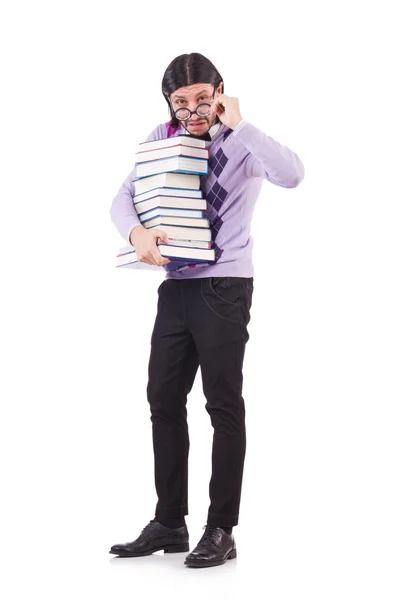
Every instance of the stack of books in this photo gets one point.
(168, 197)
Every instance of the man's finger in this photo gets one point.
(160, 235)
(159, 259)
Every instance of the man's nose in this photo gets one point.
(195, 116)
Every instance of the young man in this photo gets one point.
(204, 311)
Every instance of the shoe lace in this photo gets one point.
(210, 534)
(146, 530)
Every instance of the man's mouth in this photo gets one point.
(194, 125)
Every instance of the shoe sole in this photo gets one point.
(167, 550)
(196, 564)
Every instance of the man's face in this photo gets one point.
(190, 97)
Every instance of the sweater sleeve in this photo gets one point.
(268, 158)
(122, 210)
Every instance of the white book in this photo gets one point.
(182, 253)
(171, 202)
(176, 221)
(189, 253)
(160, 211)
(182, 164)
(186, 139)
(136, 264)
(171, 242)
(186, 233)
(168, 191)
(189, 243)
(175, 180)
(179, 150)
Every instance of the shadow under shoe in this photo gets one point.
(154, 537)
(215, 548)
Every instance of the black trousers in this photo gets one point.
(200, 321)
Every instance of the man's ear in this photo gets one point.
(220, 88)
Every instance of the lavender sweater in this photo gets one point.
(239, 161)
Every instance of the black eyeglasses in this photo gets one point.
(202, 110)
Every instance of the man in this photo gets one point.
(204, 310)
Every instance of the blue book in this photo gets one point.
(174, 164)
(167, 191)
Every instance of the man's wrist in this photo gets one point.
(236, 123)
(131, 232)
(239, 125)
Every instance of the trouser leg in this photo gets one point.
(172, 369)
(218, 320)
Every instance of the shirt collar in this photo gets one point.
(212, 130)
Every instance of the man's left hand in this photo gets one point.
(231, 115)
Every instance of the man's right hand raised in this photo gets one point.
(145, 244)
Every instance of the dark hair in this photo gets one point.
(188, 69)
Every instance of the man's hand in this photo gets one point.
(145, 244)
(230, 115)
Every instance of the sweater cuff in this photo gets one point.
(240, 126)
(135, 224)
(249, 135)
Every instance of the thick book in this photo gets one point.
(184, 139)
(174, 164)
(189, 243)
(171, 242)
(176, 150)
(173, 202)
(141, 266)
(159, 211)
(186, 233)
(174, 180)
(190, 255)
(176, 221)
(168, 191)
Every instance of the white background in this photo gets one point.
(81, 87)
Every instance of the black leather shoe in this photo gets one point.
(154, 537)
(215, 548)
